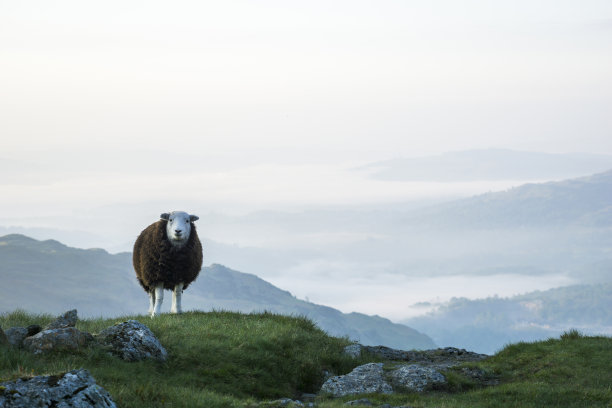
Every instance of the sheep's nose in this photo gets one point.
(178, 231)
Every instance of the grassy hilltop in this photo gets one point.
(224, 359)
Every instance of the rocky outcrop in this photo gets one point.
(371, 378)
(416, 378)
(58, 335)
(442, 357)
(74, 389)
(68, 319)
(365, 379)
(401, 371)
(132, 341)
(67, 338)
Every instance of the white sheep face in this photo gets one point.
(179, 226)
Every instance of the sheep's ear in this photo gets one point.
(165, 216)
(193, 218)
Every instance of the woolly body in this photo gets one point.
(171, 263)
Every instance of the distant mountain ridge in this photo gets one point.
(584, 201)
(490, 164)
(48, 276)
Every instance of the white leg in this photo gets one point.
(159, 299)
(151, 301)
(176, 299)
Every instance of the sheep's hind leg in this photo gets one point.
(176, 299)
(151, 301)
(159, 299)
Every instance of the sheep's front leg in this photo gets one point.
(176, 299)
(159, 299)
(151, 301)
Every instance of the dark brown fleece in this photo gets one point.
(156, 260)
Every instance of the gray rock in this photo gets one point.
(15, 335)
(68, 319)
(132, 341)
(67, 338)
(365, 379)
(414, 377)
(354, 350)
(3, 339)
(74, 389)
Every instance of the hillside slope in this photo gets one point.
(486, 325)
(47, 276)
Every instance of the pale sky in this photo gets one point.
(272, 101)
(151, 106)
(357, 79)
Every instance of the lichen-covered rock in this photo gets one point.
(74, 389)
(365, 379)
(67, 338)
(414, 377)
(68, 319)
(15, 335)
(132, 341)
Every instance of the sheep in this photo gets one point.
(167, 255)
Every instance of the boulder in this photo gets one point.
(74, 389)
(365, 379)
(68, 319)
(67, 338)
(132, 341)
(414, 377)
(15, 335)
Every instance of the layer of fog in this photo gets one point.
(326, 232)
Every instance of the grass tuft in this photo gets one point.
(572, 334)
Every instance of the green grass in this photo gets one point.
(223, 359)
(215, 359)
(574, 371)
